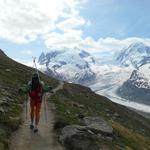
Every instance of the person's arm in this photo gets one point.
(46, 88)
(25, 88)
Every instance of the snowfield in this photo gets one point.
(103, 74)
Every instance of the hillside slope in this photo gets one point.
(74, 102)
(12, 76)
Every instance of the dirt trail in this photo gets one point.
(25, 139)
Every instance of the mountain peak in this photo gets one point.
(135, 55)
(66, 64)
(137, 44)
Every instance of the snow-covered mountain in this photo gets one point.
(137, 54)
(72, 65)
(78, 66)
(137, 87)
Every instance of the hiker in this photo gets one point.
(35, 89)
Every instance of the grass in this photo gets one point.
(131, 131)
(12, 76)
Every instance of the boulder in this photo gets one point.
(75, 137)
(98, 125)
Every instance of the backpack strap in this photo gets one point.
(29, 86)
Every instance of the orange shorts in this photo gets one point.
(35, 106)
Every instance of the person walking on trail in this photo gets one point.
(35, 89)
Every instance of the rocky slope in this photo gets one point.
(72, 65)
(137, 87)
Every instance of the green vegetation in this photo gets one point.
(131, 131)
(12, 76)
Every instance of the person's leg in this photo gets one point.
(32, 106)
(37, 118)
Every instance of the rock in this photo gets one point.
(4, 92)
(2, 110)
(87, 137)
(80, 116)
(8, 70)
(68, 112)
(98, 125)
(14, 122)
(59, 124)
(74, 104)
(116, 114)
(14, 118)
(75, 137)
(4, 101)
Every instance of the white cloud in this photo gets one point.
(28, 52)
(22, 21)
(71, 23)
(117, 44)
(73, 38)
(69, 39)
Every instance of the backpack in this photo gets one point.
(37, 93)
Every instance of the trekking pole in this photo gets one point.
(45, 109)
(26, 105)
(34, 65)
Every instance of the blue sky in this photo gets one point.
(117, 18)
(29, 27)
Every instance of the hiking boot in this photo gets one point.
(35, 130)
(31, 127)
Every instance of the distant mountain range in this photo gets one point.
(78, 66)
(72, 65)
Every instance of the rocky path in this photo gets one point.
(25, 139)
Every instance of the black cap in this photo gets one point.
(35, 75)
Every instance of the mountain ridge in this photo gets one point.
(134, 55)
